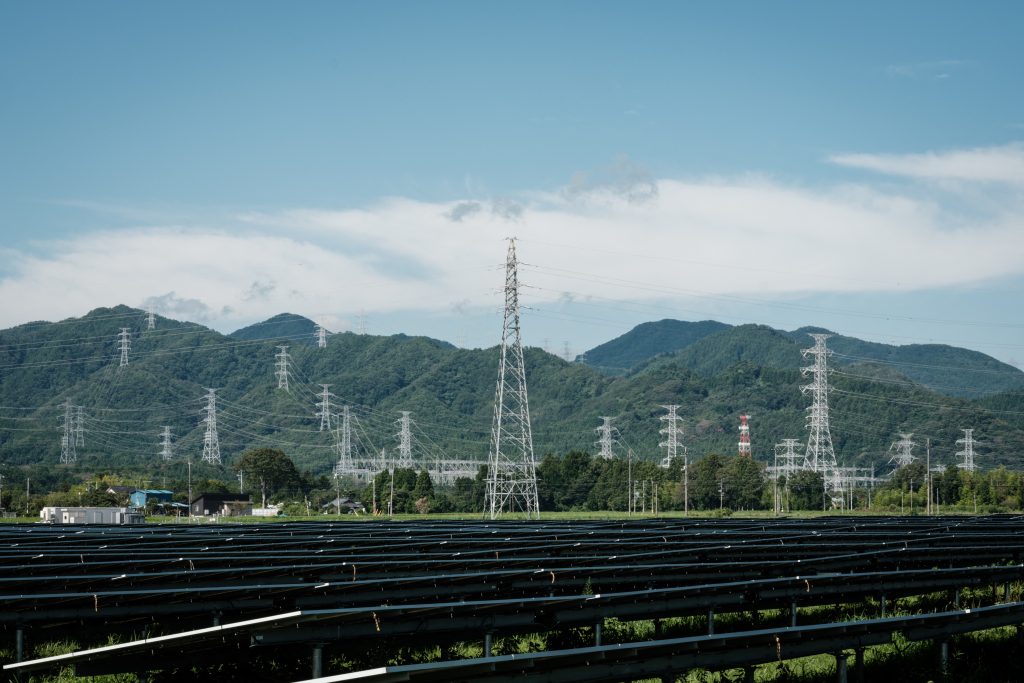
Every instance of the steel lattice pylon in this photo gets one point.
(511, 470)
(820, 455)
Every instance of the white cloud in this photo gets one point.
(935, 70)
(750, 236)
(1003, 164)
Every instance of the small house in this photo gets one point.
(227, 504)
(140, 497)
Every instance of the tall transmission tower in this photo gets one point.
(124, 344)
(321, 336)
(79, 426)
(511, 468)
(67, 439)
(606, 438)
(281, 368)
(673, 435)
(902, 451)
(404, 435)
(819, 455)
(150, 319)
(211, 444)
(166, 448)
(324, 405)
(744, 444)
(967, 454)
(343, 445)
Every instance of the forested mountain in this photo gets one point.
(709, 347)
(645, 341)
(449, 391)
(295, 327)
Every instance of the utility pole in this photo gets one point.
(166, 449)
(124, 344)
(672, 434)
(68, 456)
(150, 319)
(190, 488)
(321, 336)
(511, 468)
(241, 482)
(820, 455)
(79, 426)
(967, 454)
(928, 470)
(281, 368)
(211, 444)
(606, 438)
(629, 481)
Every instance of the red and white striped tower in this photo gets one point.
(744, 436)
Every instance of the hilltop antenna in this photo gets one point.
(67, 439)
(672, 433)
(281, 370)
(361, 322)
(404, 460)
(124, 344)
(150, 319)
(343, 444)
(211, 444)
(967, 454)
(166, 448)
(321, 336)
(744, 444)
(901, 450)
(819, 455)
(511, 468)
(606, 438)
(324, 404)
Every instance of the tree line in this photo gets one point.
(574, 482)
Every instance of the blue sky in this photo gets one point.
(855, 166)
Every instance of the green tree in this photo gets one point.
(744, 483)
(270, 468)
(951, 485)
(806, 490)
(707, 478)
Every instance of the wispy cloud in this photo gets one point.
(667, 237)
(937, 70)
(1003, 164)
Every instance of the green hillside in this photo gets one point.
(449, 391)
(295, 327)
(645, 341)
(709, 347)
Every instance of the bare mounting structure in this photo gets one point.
(511, 468)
